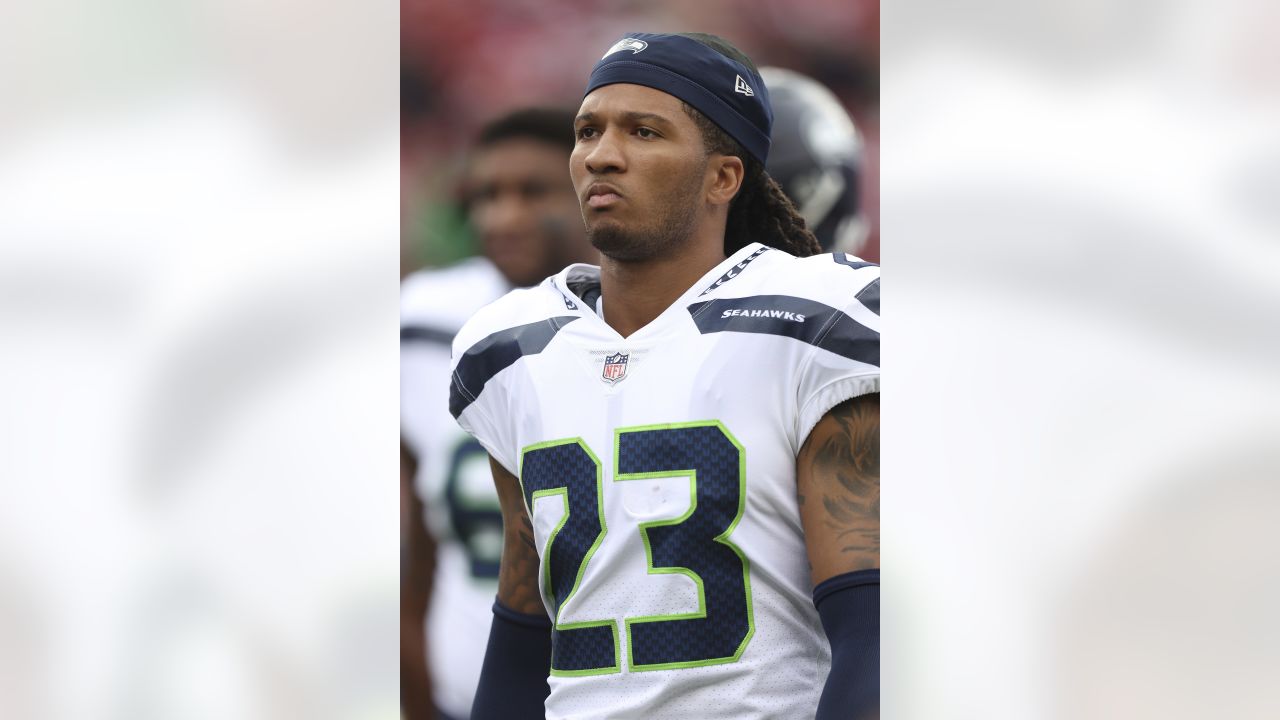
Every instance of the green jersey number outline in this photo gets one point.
(695, 545)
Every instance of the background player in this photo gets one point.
(521, 204)
(657, 424)
(815, 157)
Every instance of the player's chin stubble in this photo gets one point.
(671, 227)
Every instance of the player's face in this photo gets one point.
(639, 169)
(523, 209)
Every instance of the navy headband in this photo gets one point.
(729, 93)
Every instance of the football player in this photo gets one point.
(685, 439)
(522, 205)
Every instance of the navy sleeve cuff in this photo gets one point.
(849, 606)
(517, 661)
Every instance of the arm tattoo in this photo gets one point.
(518, 572)
(840, 467)
(526, 532)
(518, 576)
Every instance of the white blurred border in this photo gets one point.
(198, 305)
(1079, 214)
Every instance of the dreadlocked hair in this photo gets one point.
(760, 212)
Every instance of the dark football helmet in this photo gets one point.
(815, 157)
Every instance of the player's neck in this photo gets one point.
(636, 293)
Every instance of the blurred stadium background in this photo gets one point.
(464, 63)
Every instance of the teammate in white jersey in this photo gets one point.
(685, 440)
(522, 206)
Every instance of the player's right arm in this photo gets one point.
(518, 574)
(513, 681)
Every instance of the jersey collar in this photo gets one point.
(586, 277)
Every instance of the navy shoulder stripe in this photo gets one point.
(496, 353)
(870, 296)
(805, 320)
(851, 261)
(425, 334)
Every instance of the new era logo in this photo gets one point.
(741, 86)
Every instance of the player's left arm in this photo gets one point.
(838, 489)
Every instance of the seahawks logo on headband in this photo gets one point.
(631, 44)
(723, 89)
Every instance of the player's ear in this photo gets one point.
(726, 173)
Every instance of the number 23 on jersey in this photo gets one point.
(695, 545)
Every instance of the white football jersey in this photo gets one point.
(659, 473)
(453, 478)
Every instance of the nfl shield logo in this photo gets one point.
(615, 368)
